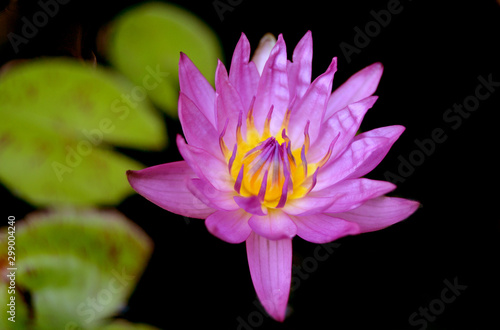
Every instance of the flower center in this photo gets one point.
(265, 166)
(266, 169)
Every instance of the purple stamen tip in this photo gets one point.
(239, 179)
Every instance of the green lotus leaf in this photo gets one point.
(79, 267)
(59, 122)
(124, 325)
(150, 37)
(16, 310)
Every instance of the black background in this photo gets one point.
(433, 55)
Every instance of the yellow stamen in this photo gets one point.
(286, 172)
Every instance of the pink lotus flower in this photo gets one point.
(270, 155)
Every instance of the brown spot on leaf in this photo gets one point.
(5, 139)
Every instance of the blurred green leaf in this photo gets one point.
(20, 314)
(124, 325)
(59, 119)
(80, 267)
(152, 35)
